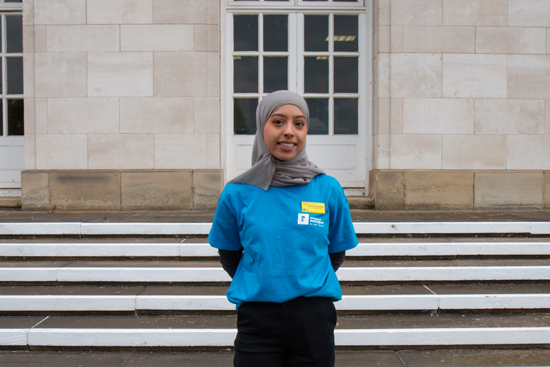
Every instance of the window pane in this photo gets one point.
(1, 118)
(345, 116)
(345, 33)
(345, 74)
(245, 32)
(275, 74)
(275, 32)
(316, 33)
(14, 25)
(316, 75)
(246, 74)
(15, 75)
(15, 116)
(13, 1)
(244, 115)
(318, 116)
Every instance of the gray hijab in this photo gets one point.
(267, 170)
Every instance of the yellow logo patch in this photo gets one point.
(313, 207)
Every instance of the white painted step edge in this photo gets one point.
(225, 337)
(76, 228)
(372, 249)
(220, 303)
(217, 274)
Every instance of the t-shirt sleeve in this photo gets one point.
(341, 232)
(224, 234)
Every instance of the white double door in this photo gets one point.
(347, 157)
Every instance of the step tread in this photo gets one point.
(210, 290)
(214, 263)
(351, 322)
(424, 358)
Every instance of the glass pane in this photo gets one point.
(15, 75)
(245, 32)
(13, 1)
(316, 75)
(318, 116)
(345, 74)
(345, 1)
(246, 74)
(1, 118)
(275, 33)
(316, 33)
(15, 116)
(345, 33)
(345, 116)
(244, 115)
(14, 26)
(275, 74)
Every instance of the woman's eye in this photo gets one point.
(299, 124)
(278, 122)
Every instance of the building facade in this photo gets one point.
(149, 104)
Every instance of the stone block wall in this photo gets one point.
(122, 85)
(463, 85)
(110, 81)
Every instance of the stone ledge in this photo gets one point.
(68, 190)
(361, 202)
(460, 189)
(10, 202)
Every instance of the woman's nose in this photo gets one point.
(289, 129)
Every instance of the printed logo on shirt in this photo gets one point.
(306, 219)
(303, 219)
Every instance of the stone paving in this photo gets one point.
(207, 216)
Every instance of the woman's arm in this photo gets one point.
(230, 260)
(337, 259)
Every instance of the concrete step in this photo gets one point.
(356, 299)
(193, 229)
(122, 248)
(210, 271)
(390, 331)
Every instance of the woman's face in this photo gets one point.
(285, 132)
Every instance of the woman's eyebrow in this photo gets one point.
(282, 115)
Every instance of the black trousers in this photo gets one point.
(296, 333)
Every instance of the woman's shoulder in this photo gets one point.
(327, 180)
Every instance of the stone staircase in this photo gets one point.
(143, 286)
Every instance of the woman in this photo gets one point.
(282, 229)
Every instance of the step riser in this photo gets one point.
(189, 229)
(204, 250)
(56, 338)
(192, 275)
(432, 303)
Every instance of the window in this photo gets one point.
(11, 38)
(308, 46)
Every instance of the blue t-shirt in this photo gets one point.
(287, 234)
